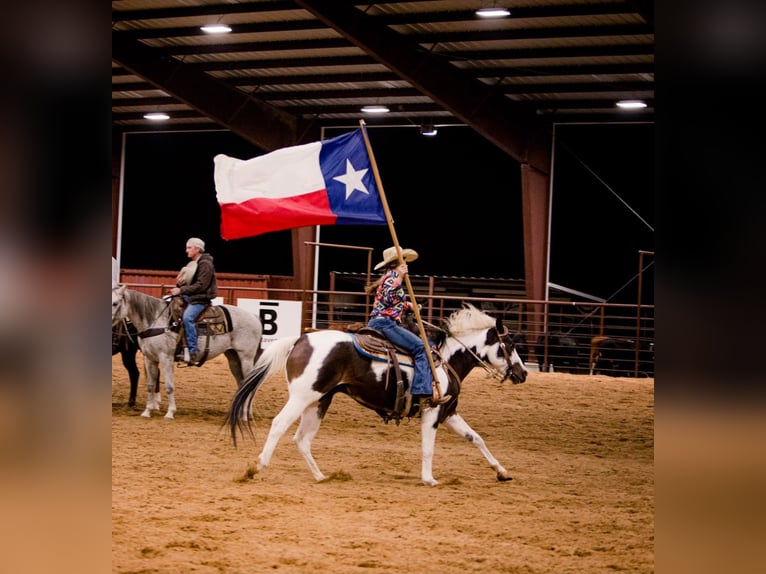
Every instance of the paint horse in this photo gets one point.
(240, 341)
(320, 364)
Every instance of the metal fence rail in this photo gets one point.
(567, 336)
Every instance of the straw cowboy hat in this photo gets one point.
(186, 274)
(389, 256)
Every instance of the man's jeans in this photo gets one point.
(191, 312)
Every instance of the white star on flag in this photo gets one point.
(352, 179)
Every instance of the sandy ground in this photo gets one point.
(580, 449)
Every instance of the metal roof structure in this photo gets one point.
(289, 67)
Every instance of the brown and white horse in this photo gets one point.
(322, 363)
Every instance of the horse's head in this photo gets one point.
(514, 365)
(119, 306)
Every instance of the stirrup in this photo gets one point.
(440, 401)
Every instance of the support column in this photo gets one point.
(303, 257)
(535, 203)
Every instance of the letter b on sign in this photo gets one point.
(279, 318)
(269, 320)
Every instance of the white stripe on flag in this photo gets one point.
(282, 173)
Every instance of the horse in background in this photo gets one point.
(616, 357)
(125, 342)
(320, 364)
(563, 353)
(239, 339)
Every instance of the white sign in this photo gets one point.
(279, 318)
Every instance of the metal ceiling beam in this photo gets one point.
(552, 32)
(382, 93)
(264, 125)
(625, 49)
(207, 10)
(547, 72)
(268, 46)
(487, 111)
(518, 12)
(552, 52)
(253, 28)
(559, 11)
(645, 8)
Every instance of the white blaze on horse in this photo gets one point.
(322, 363)
(239, 340)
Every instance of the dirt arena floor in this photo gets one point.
(580, 449)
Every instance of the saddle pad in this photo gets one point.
(373, 348)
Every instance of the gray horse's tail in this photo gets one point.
(272, 359)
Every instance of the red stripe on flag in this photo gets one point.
(261, 215)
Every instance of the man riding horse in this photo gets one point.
(197, 285)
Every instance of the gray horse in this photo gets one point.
(151, 317)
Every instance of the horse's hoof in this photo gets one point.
(504, 477)
(169, 416)
(431, 482)
(147, 414)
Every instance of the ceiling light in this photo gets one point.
(375, 109)
(428, 130)
(631, 104)
(216, 29)
(493, 12)
(157, 116)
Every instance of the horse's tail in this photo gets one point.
(272, 359)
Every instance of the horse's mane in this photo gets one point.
(469, 318)
(145, 305)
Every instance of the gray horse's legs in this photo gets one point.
(460, 427)
(167, 369)
(235, 365)
(307, 430)
(152, 396)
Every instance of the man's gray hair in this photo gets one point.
(196, 242)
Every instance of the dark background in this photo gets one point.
(455, 198)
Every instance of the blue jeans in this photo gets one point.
(191, 312)
(422, 381)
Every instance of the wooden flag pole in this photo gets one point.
(410, 292)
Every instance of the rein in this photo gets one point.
(124, 331)
(153, 331)
(493, 371)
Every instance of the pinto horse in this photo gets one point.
(151, 317)
(322, 363)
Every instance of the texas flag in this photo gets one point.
(321, 183)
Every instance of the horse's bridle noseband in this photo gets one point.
(508, 361)
(491, 369)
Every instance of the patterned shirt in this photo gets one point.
(390, 298)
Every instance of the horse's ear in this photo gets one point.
(499, 325)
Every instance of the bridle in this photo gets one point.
(151, 331)
(493, 371)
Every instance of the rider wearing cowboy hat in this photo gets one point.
(387, 310)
